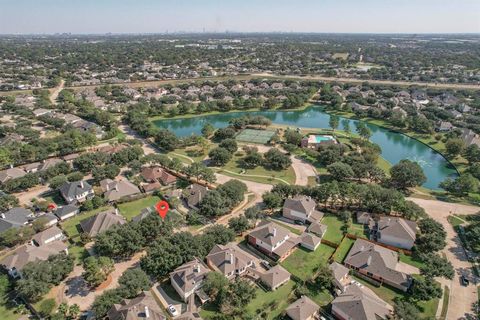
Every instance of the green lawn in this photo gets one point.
(343, 249)
(133, 208)
(78, 251)
(71, 226)
(358, 229)
(334, 228)
(234, 166)
(302, 262)
(410, 260)
(446, 298)
(272, 303)
(455, 221)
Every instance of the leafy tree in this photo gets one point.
(214, 284)
(472, 153)
(7, 202)
(133, 281)
(293, 137)
(238, 294)
(46, 307)
(200, 171)
(363, 130)
(461, 186)
(436, 266)
(214, 204)
(425, 289)
(323, 278)
(239, 224)
(97, 270)
(340, 171)
(407, 174)
(333, 122)
(224, 133)
(234, 190)
(252, 160)
(109, 171)
(432, 236)
(219, 156)
(454, 147)
(346, 125)
(229, 144)
(56, 182)
(207, 130)
(411, 211)
(166, 140)
(277, 160)
(405, 310)
(272, 200)
(105, 301)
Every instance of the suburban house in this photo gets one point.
(114, 190)
(394, 231)
(17, 216)
(378, 263)
(15, 262)
(364, 217)
(77, 191)
(66, 212)
(46, 236)
(11, 173)
(468, 136)
(310, 241)
(229, 260)
(359, 303)
(275, 277)
(101, 222)
(444, 126)
(272, 240)
(188, 278)
(194, 194)
(158, 174)
(144, 306)
(317, 228)
(341, 276)
(301, 208)
(303, 309)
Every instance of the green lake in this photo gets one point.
(395, 146)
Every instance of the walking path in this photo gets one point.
(56, 91)
(461, 298)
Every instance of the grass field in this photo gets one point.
(410, 260)
(71, 226)
(303, 263)
(271, 303)
(455, 221)
(133, 208)
(334, 227)
(260, 174)
(343, 249)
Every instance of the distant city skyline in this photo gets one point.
(316, 16)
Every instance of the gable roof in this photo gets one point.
(65, 210)
(158, 173)
(196, 192)
(101, 222)
(397, 227)
(220, 256)
(338, 270)
(188, 275)
(275, 276)
(270, 233)
(377, 260)
(46, 234)
(73, 189)
(114, 190)
(29, 253)
(18, 215)
(317, 228)
(144, 306)
(302, 309)
(302, 204)
(310, 240)
(11, 173)
(362, 304)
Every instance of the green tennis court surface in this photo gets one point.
(255, 136)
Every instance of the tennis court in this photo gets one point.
(255, 136)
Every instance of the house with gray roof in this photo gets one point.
(272, 240)
(11, 173)
(301, 208)
(303, 309)
(394, 231)
(340, 274)
(114, 190)
(378, 263)
(188, 278)
(142, 307)
(15, 218)
(360, 303)
(194, 195)
(15, 262)
(229, 260)
(48, 235)
(66, 212)
(101, 222)
(317, 228)
(310, 241)
(468, 136)
(275, 277)
(77, 191)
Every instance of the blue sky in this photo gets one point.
(149, 16)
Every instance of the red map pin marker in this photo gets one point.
(162, 208)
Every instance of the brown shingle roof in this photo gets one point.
(29, 253)
(188, 275)
(302, 309)
(137, 309)
(275, 276)
(101, 222)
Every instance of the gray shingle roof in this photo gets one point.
(188, 275)
(302, 309)
(73, 189)
(18, 215)
(65, 210)
(101, 222)
(397, 227)
(302, 204)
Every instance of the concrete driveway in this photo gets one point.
(461, 298)
(303, 170)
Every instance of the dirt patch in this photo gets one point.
(105, 283)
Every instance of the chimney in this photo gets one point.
(81, 184)
(369, 260)
(2, 215)
(274, 232)
(362, 248)
(231, 258)
(116, 211)
(147, 313)
(196, 268)
(388, 221)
